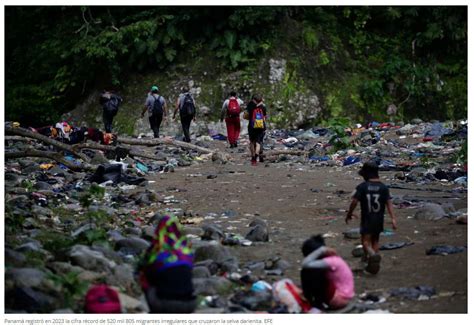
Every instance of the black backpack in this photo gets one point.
(157, 106)
(112, 105)
(188, 109)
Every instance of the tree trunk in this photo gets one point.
(45, 139)
(131, 150)
(164, 141)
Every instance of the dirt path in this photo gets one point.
(301, 200)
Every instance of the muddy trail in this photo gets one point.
(298, 201)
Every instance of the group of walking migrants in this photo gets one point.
(166, 267)
(157, 109)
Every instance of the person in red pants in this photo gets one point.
(231, 113)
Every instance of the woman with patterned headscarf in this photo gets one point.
(166, 270)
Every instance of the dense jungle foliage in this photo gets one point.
(357, 59)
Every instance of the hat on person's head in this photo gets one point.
(154, 89)
(370, 169)
(101, 299)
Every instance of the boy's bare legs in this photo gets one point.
(372, 252)
(253, 152)
(252, 148)
(257, 148)
(366, 245)
(375, 242)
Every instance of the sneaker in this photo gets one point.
(260, 158)
(373, 265)
(254, 161)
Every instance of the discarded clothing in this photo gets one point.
(445, 250)
(413, 293)
(219, 137)
(351, 160)
(396, 245)
(113, 173)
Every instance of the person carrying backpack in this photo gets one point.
(231, 113)
(187, 111)
(110, 105)
(256, 113)
(157, 110)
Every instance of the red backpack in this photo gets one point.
(233, 108)
(101, 299)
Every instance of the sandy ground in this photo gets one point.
(281, 194)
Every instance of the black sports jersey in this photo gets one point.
(372, 197)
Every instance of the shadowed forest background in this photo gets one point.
(356, 60)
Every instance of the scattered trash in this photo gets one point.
(445, 250)
(413, 293)
(287, 293)
(396, 245)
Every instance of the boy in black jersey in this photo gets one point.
(373, 196)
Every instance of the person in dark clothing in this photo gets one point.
(110, 105)
(373, 196)
(166, 270)
(256, 113)
(187, 111)
(157, 111)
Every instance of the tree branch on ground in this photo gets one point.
(130, 150)
(34, 135)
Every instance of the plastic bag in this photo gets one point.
(287, 293)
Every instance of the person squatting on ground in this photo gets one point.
(256, 112)
(231, 112)
(326, 278)
(187, 111)
(166, 270)
(110, 105)
(157, 110)
(373, 196)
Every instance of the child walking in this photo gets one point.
(373, 196)
(326, 278)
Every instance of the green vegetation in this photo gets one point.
(72, 288)
(340, 140)
(358, 60)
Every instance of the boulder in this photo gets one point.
(89, 259)
(212, 232)
(25, 277)
(211, 286)
(30, 300)
(201, 272)
(135, 244)
(258, 233)
(213, 251)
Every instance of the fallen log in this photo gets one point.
(131, 151)
(57, 156)
(29, 134)
(164, 141)
(16, 138)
